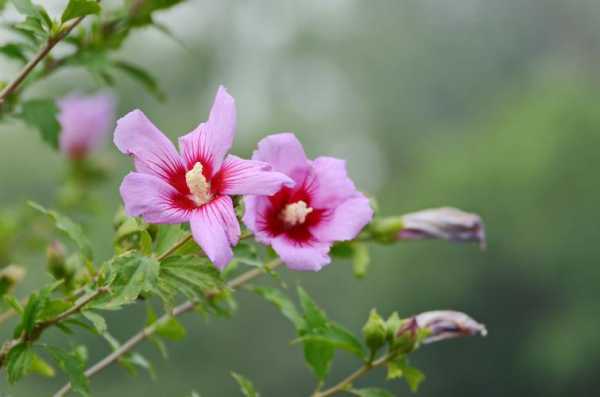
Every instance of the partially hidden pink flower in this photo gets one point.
(196, 184)
(85, 123)
(302, 222)
(443, 324)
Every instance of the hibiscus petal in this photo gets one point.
(283, 151)
(215, 228)
(251, 177)
(151, 197)
(255, 209)
(330, 185)
(85, 121)
(210, 141)
(310, 256)
(345, 221)
(152, 151)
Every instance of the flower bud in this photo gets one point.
(392, 326)
(374, 331)
(443, 223)
(447, 324)
(57, 264)
(10, 276)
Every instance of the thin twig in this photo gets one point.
(151, 329)
(41, 54)
(175, 247)
(39, 328)
(346, 383)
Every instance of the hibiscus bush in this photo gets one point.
(197, 223)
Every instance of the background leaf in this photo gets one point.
(79, 8)
(41, 114)
(246, 386)
(18, 361)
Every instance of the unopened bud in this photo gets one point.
(10, 276)
(57, 264)
(445, 223)
(406, 337)
(447, 324)
(374, 331)
(392, 326)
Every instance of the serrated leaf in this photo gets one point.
(13, 51)
(318, 356)
(18, 361)
(337, 337)
(143, 16)
(128, 276)
(41, 367)
(142, 76)
(245, 253)
(41, 114)
(315, 317)
(371, 392)
(167, 237)
(73, 365)
(172, 329)
(400, 368)
(70, 228)
(283, 303)
(97, 320)
(14, 303)
(80, 8)
(190, 275)
(246, 386)
(26, 7)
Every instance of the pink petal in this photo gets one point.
(150, 197)
(307, 256)
(251, 177)
(210, 141)
(331, 185)
(85, 121)
(255, 208)
(283, 151)
(215, 228)
(151, 150)
(345, 221)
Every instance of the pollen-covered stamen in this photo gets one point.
(295, 213)
(198, 185)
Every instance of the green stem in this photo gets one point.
(346, 383)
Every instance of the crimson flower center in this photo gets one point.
(295, 213)
(198, 185)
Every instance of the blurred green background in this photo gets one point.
(492, 107)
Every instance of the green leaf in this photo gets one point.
(128, 276)
(246, 254)
(190, 275)
(360, 259)
(167, 237)
(246, 386)
(41, 367)
(14, 303)
(33, 27)
(13, 51)
(70, 228)
(172, 329)
(80, 8)
(283, 303)
(136, 360)
(26, 7)
(371, 392)
(97, 320)
(337, 337)
(73, 365)
(143, 15)
(318, 356)
(18, 361)
(41, 114)
(142, 76)
(315, 317)
(400, 368)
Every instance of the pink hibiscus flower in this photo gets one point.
(194, 186)
(302, 222)
(85, 122)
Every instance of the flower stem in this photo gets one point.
(346, 383)
(183, 308)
